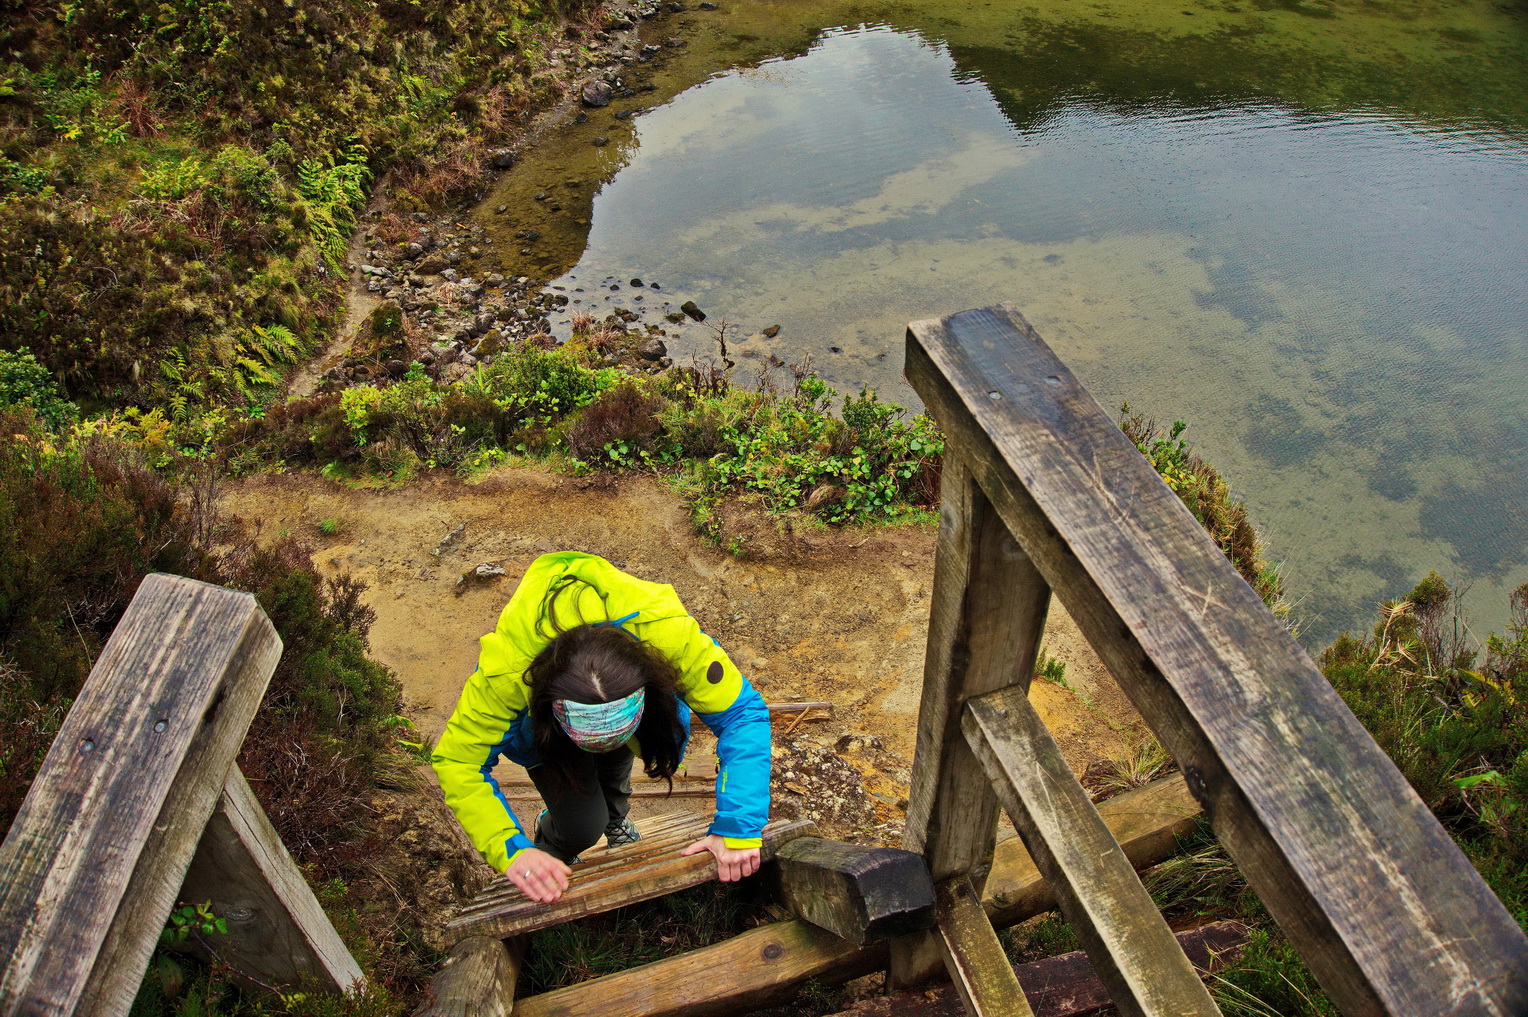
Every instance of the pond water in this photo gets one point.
(1302, 227)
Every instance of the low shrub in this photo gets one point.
(1207, 495)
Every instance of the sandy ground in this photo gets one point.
(837, 615)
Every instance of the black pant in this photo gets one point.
(577, 817)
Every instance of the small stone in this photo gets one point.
(582, 118)
(673, 42)
(450, 275)
(772, 331)
(414, 250)
(674, 8)
(533, 234)
(693, 310)
(653, 349)
(503, 158)
(624, 114)
(601, 141)
(636, 282)
(597, 94)
(541, 196)
(707, 5)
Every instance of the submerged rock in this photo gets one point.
(693, 310)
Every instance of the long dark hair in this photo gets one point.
(600, 664)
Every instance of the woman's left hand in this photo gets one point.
(732, 864)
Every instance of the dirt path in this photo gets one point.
(842, 617)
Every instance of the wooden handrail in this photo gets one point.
(1384, 908)
(96, 857)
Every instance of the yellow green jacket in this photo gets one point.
(492, 717)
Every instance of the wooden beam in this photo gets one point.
(1064, 986)
(278, 934)
(1146, 822)
(758, 968)
(94, 859)
(609, 878)
(986, 618)
(478, 980)
(978, 967)
(1104, 902)
(1388, 913)
(861, 894)
(809, 952)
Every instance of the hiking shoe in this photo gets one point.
(536, 837)
(624, 832)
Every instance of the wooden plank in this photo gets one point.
(694, 787)
(1064, 986)
(1104, 902)
(1146, 823)
(660, 835)
(1384, 908)
(758, 968)
(610, 878)
(829, 958)
(862, 894)
(978, 968)
(478, 980)
(986, 618)
(278, 933)
(92, 863)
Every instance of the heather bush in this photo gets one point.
(179, 181)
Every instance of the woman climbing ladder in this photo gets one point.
(586, 665)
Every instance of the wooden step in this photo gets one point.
(609, 878)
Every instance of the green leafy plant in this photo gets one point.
(25, 382)
(192, 920)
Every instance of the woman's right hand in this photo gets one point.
(538, 875)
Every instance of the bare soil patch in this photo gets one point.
(834, 615)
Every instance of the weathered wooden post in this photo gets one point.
(1388, 913)
(987, 618)
(94, 862)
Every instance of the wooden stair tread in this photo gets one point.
(609, 878)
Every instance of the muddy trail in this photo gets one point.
(838, 616)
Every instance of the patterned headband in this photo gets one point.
(600, 727)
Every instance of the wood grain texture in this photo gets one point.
(977, 965)
(1144, 818)
(1105, 904)
(1064, 986)
(478, 980)
(1146, 823)
(862, 894)
(92, 863)
(759, 968)
(277, 931)
(609, 878)
(1384, 908)
(986, 618)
